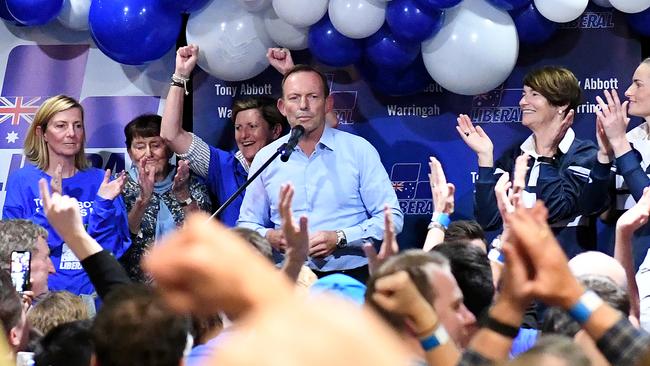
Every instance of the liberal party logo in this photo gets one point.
(345, 102)
(591, 20)
(413, 191)
(497, 106)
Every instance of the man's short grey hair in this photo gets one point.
(416, 263)
(16, 235)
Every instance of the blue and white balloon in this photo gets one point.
(475, 50)
(300, 13)
(74, 14)
(357, 18)
(233, 41)
(285, 34)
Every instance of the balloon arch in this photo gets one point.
(468, 47)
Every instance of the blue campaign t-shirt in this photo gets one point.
(105, 220)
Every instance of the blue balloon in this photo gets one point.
(185, 6)
(385, 51)
(5, 14)
(331, 47)
(640, 22)
(413, 79)
(34, 12)
(532, 26)
(509, 4)
(432, 5)
(133, 32)
(409, 23)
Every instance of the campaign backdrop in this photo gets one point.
(406, 130)
(38, 62)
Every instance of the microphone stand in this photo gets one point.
(282, 150)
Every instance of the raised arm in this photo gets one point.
(442, 194)
(389, 246)
(297, 236)
(551, 281)
(108, 223)
(397, 294)
(627, 224)
(171, 129)
(601, 176)
(613, 117)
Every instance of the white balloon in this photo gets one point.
(630, 6)
(255, 5)
(285, 34)
(233, 42)
(357, 18)
(74, 14)
(474, 51)
(561, 11)
(603, 3)
(300, 13)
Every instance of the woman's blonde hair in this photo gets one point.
(35, 147)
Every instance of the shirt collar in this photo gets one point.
(640, 132)
(327, 138)
(240, 156)
(528, 146)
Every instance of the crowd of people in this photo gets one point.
(304, 267)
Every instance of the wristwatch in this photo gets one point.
(186, 202)
(341, 240)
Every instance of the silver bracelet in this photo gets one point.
(178, 79)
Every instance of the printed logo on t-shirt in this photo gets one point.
(68, 259)
(85, 207)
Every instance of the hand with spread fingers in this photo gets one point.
(296, 236)
(109, 189)
(146, 180)
(612, 116)
(477, 140)
(503, 195)
(605, 150)
(551, 280)
(548, 144)
(441, 191)
(181, 184)
(508, 194)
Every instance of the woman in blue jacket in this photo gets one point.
(559, 166)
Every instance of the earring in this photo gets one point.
(560, 111)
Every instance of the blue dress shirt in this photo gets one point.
(341, 186)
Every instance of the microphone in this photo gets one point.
(296, 133)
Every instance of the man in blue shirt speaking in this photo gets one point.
(340, 183)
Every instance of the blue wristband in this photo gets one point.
(441, 218)
(440, 336)
(585, 306)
